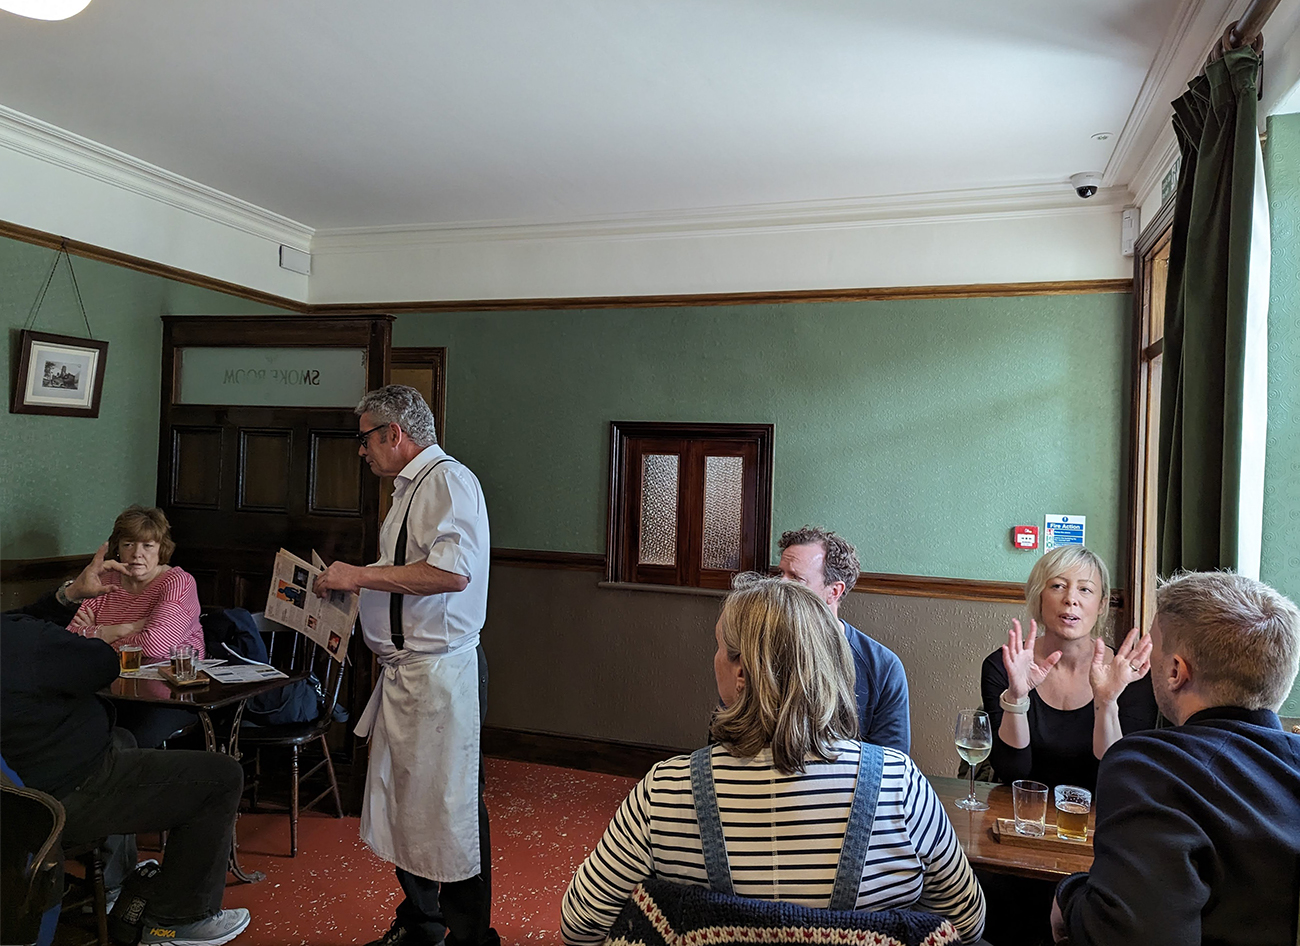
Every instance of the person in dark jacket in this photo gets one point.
(828, 565)
(58, 736)
(1198, 826)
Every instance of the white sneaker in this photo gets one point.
(215, 930)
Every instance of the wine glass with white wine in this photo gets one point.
(974, 743)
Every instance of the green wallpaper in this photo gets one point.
(64, 479)
(922, 430)
(1280, 555)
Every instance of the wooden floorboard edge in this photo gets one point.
(609, 757)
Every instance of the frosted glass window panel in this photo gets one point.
(724, 493)
(271, 377)
(658, 545)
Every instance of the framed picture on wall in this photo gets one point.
(58, 374)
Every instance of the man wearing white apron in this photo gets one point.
(422, 607)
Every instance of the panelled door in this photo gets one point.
(257, 450)
(240, 480)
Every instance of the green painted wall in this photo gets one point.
(922, 430)
(64, 479)
(1280, 555)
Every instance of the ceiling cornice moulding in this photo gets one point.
(45, 142)
(1006, 202)
(1151, 108)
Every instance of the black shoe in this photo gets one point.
(401, 936)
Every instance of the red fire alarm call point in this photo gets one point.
(1024, 538)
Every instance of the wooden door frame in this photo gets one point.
(1139, 456)
(425, 357)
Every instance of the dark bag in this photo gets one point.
(660, 913)
(234, 635)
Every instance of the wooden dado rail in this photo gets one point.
(25, 579)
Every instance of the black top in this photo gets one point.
(1198, 829)
(55, 729)
(1060, 741)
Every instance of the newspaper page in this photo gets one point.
(290, 601)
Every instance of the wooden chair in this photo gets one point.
(88, 889)
(292, 652)
(31, 861)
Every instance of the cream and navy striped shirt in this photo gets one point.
(783, 835)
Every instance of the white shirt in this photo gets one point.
(448, 528)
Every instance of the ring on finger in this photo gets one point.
(1136, 668)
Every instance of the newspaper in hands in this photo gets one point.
(328, 621)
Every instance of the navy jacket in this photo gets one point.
(55, 730)
(881, 689)
(1198, 837)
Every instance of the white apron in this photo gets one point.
(421, 803)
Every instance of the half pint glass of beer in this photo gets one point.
(1072, 806)
(130, 655)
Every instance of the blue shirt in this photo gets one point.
(881, 689)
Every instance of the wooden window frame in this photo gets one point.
(631, 440)
(1144, 427)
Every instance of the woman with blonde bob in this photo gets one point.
(1060, 698)
(775, 792)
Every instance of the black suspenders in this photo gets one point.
(399, 558)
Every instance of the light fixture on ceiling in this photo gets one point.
(1102, 136)
(45, 9)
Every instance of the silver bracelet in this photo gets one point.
(1019, 707)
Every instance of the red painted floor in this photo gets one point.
(544, 822)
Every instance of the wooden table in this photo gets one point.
(984, 852)
(203, 701)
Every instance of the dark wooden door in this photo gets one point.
(240, 481)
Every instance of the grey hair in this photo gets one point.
(403, 406)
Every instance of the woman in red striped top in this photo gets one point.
(153, 604)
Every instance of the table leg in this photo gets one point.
(209, 733)
(231, 748)
(248, 877)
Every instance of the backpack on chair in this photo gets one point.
(234, 635)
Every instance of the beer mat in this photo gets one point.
(153, 671)
(199, 679)
(1004, 832)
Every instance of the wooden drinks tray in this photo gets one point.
(1004, 832)
(201, 679)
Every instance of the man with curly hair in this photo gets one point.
(828, 565)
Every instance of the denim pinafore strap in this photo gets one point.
(857, 833)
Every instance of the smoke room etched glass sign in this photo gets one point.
(271, 377)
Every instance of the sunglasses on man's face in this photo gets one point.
(364, 436)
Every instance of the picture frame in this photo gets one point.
(58, 374)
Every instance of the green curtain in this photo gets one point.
(1205, 318)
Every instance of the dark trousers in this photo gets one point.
(192, 795)
(461, 910)
(152, 725)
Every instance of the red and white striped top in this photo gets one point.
(170, 604)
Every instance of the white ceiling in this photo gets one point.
(339, 114)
